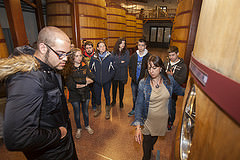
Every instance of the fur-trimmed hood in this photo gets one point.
(21, 63)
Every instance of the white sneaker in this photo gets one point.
(78, 133)
(89, 129)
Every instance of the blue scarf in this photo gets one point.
(101, 56)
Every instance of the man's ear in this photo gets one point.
(177, 53)
(42, 48)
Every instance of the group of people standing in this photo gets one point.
(155, 86)
(89, 71)
(41, 127)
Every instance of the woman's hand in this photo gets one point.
(138, 135)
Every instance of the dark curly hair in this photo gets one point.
(68, 69)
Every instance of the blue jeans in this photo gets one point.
(98, 91)
(134, 87)
(76, 109)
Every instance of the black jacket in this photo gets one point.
(35, 109)
(179, 71)
(133, 67)
(78, 76)
(121, 72)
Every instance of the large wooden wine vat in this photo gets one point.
(181, 25)
(116, 24)
(59, 15)
(139, 29)
(3, 45)
(92, 18)
(210, 127)
(131, 30)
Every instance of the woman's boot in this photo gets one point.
(98, 110)
(107, 116)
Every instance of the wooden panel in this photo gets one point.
(93, 20)
(16, 22)
(216, 136)
(3, 45)
(59, 15)
(181, 25)
(116, 24)
(218, 37)
(139, 29)
(131, 30)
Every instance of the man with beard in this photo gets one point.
(36, 116)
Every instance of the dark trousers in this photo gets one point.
(172, 109)
(93, 95)
(98, 91)
(148, 143)
(115, 84)
(134, 87)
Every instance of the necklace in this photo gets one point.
(157, 85)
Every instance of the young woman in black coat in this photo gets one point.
(121, 58)
(77, 80)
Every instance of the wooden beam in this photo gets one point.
(192, 30)
(39, 15)
(30, 3)
(16, 22)
(75, 24)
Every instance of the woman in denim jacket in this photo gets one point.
(151, 112)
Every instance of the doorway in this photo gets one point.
(160, 36)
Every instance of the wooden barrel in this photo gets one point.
(93, 20)
(215, 69)
(131, 30)
(116, 24)
(3, 45)
(181, 25)
(59, 15)
(139, 29)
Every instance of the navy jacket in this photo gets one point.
(121, 72)
(103, 70)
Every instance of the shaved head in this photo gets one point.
(51, 35)
(51, 43)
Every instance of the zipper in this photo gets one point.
(101, 73)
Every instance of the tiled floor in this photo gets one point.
(113, 139)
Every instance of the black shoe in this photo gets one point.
(121, 105)
(113, 103)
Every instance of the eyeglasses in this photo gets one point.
(60, 55)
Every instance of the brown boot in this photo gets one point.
(107, 108)
(98, 110)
